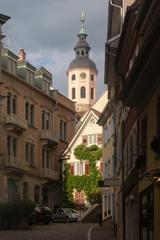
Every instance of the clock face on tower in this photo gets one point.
(83, 75)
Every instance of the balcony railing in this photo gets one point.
(48, 138)
(13, 163)
(49, 173)
(13, 122)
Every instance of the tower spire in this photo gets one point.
(82, 19)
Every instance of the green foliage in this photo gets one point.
(19, 210)
(88, 184)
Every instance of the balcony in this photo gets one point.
(49, 173)
(14, 123)
(48, 139)
(12, 163)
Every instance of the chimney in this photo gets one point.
(22, 55)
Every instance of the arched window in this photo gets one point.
(83, 92)
(82, 53)
(73, 93)
(73, 77)
(77, 52)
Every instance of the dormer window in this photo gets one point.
(46, 86)
(30, 77)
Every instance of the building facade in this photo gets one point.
(106, 120)
(37, 123)
(88, 133)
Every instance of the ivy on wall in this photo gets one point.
(88, 184)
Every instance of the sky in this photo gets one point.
(47, 31)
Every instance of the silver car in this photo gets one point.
(64, 215)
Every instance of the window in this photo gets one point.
(107, 170)
(73, 77)
(30, 154)
(63, 130)
(92, 93)
(12, 146)
(46, 86)
(25, 191)
(84, 140)
(80, 168)
(26, 110)
(29, 113)
(45, 120)
(45, 158)
(83, 92)
(32, 115)
(92, 77)
(92, 139)
(36, 194)
(82, 53)
(11, 103)
(73, 93)
(99, 139)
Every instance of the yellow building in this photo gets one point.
(36, 124)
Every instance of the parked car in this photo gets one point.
(64, 215)
(41, 214)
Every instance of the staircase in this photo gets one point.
(91, 215)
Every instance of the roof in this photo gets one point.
(82, 62)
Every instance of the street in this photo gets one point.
(56, 231)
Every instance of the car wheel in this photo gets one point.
(67, 220)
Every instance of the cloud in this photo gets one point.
(47, 31)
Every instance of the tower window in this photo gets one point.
(83, 92)
(92, 77)
(77, 52)
(92, 93)
(73, 77)
(73, 93)
(82, 53)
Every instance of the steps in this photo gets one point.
(91, 215)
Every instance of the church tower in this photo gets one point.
(82, 73)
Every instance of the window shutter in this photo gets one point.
(87, 170)
(84, 140)
(99, 139)
(72, 169)
(101, 167)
